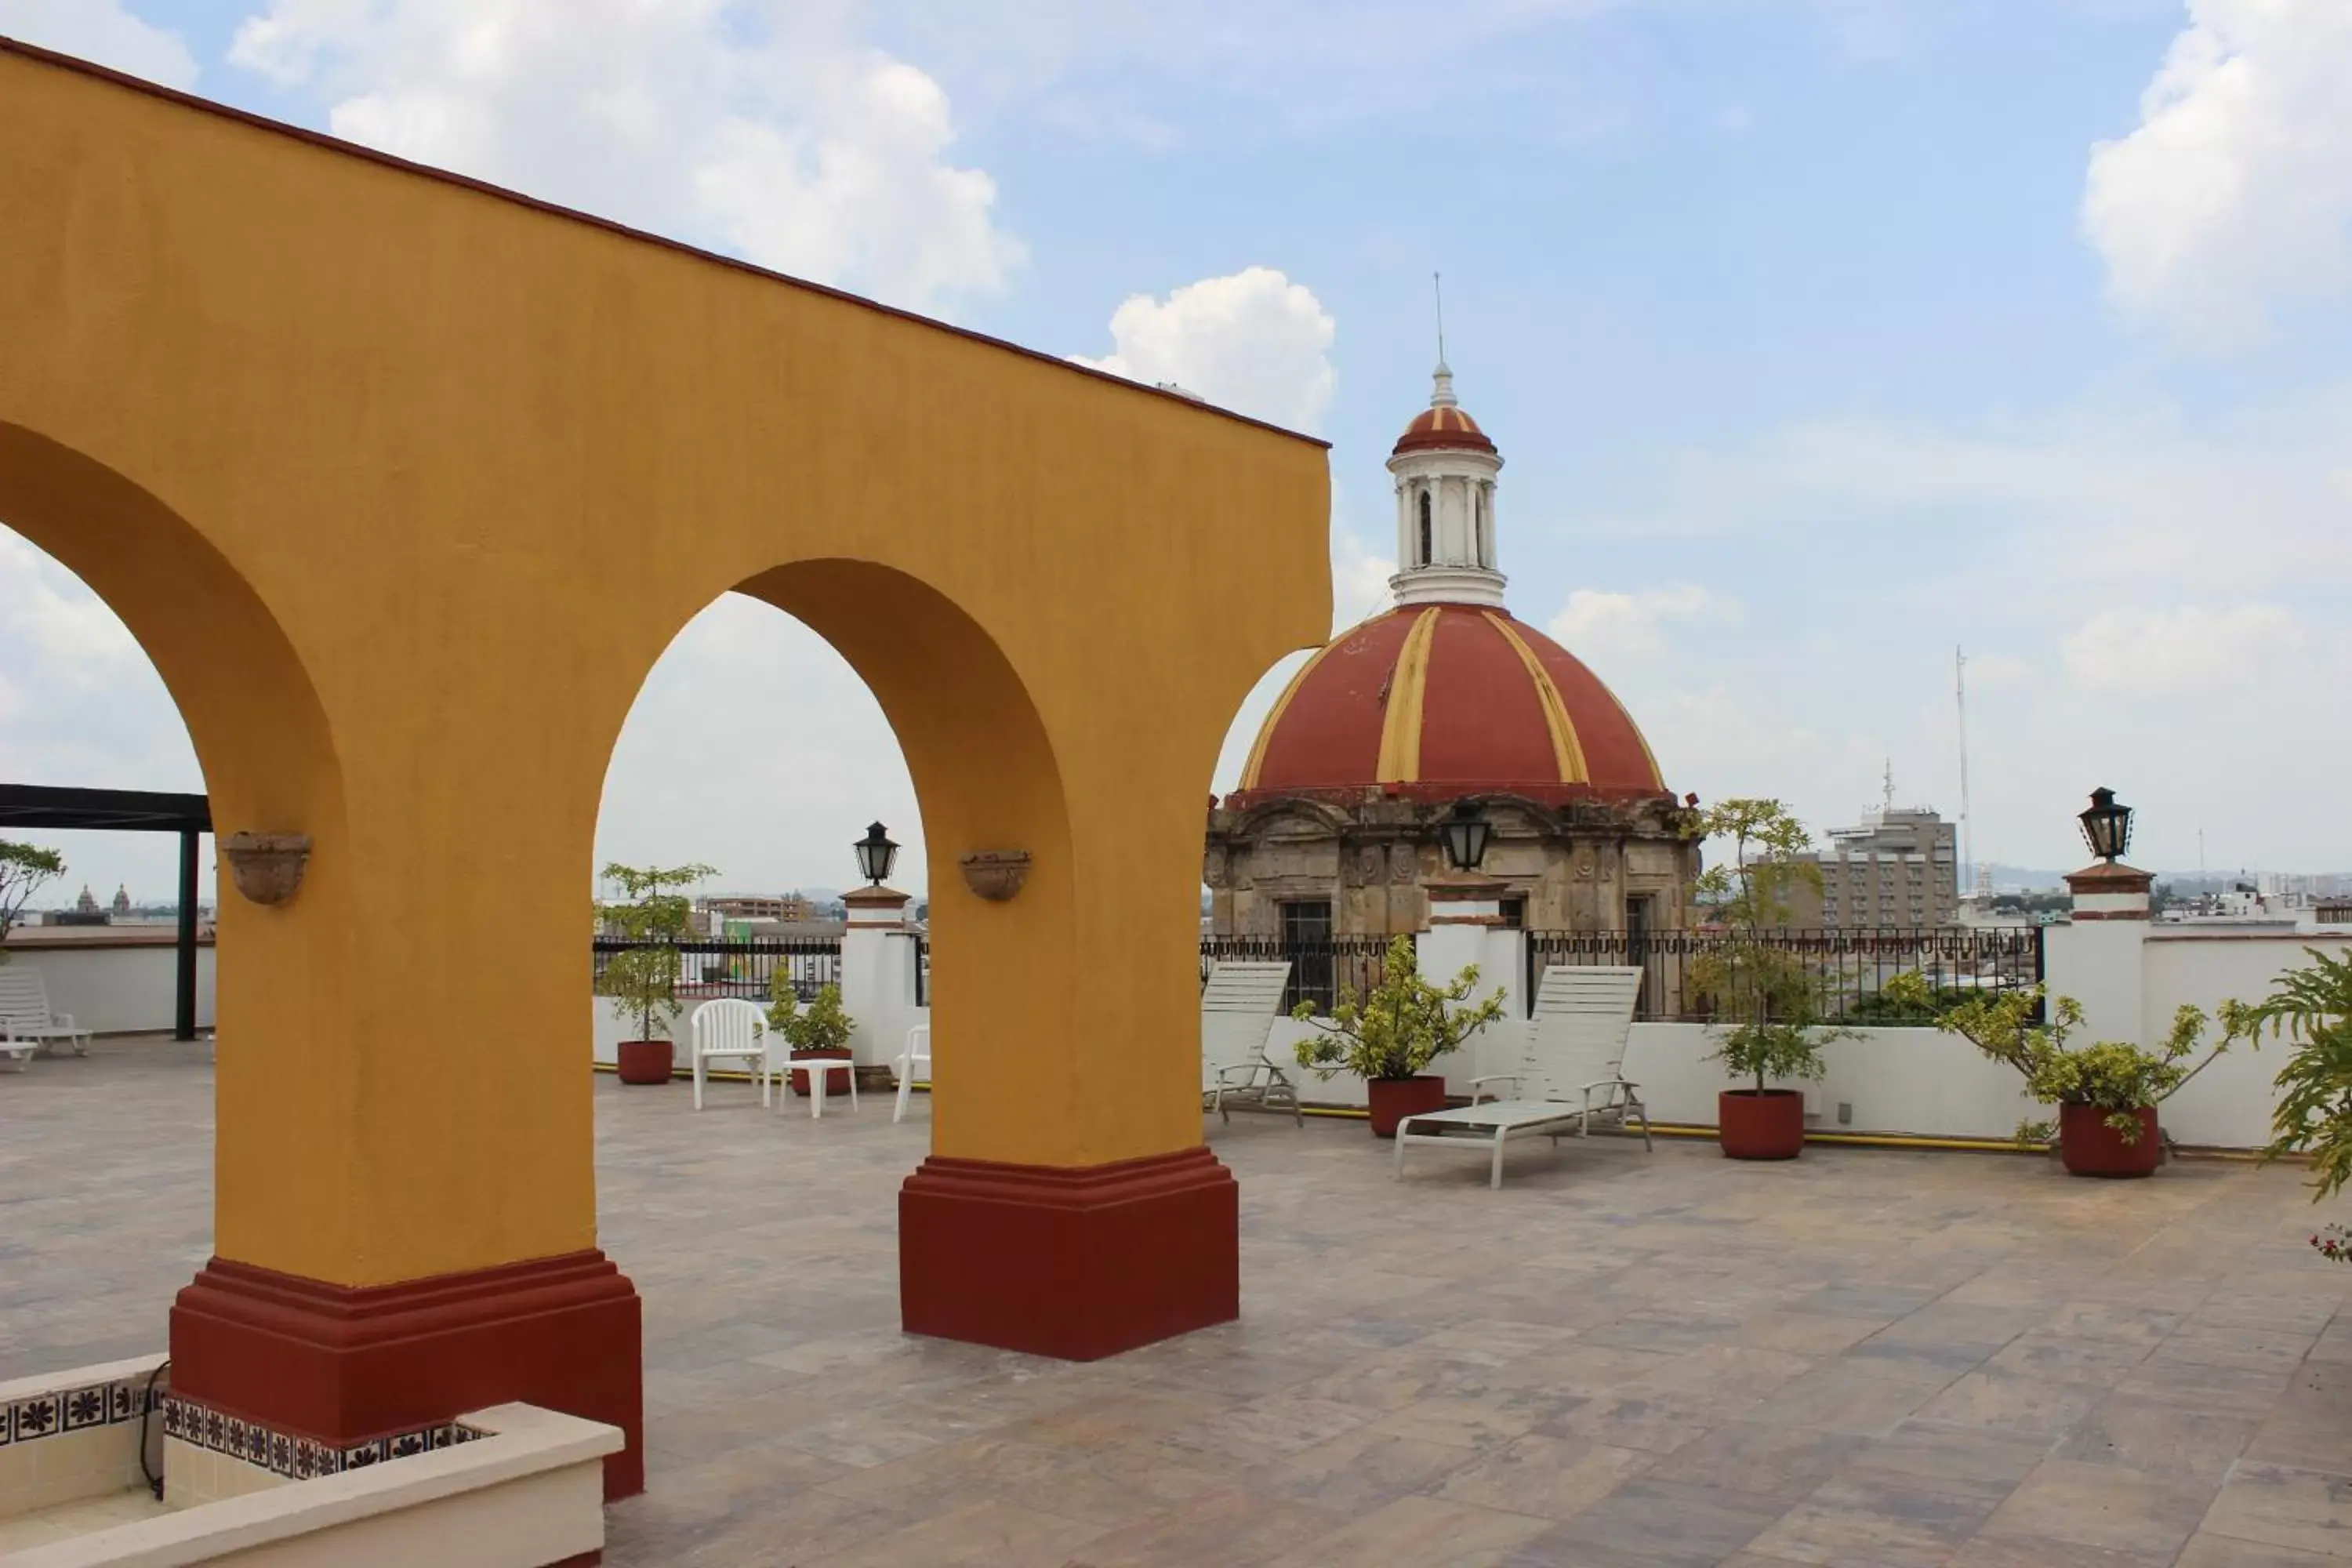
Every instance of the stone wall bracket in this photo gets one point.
(995, 875)
(268, 867)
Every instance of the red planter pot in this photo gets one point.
(646, 1061)
(1394, 1099)
(1769, 1125)
(834, 1082)
(2089, 1147)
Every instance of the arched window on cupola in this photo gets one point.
(1478, 523)
(1426, 530)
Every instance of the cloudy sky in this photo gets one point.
(1820, 336)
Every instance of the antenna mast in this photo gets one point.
(1967, 840)
(1437, 287)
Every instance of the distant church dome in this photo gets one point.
(1447, 695)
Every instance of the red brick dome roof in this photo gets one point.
(1435, 701)
(1445, 428)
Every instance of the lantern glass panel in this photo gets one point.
(876, 854)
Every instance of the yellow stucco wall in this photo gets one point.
(404, 486)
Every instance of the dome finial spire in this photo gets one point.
(1441, 394)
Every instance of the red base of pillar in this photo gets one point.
(1077, 1263)
(347, 1365)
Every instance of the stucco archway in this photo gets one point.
(473, 459)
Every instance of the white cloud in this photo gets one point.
(1597, 624)
(774, 800)
(761, 128)
(2235, 191)
(80, 704)
(1254, 342)
(101, 30)
(2166, 653)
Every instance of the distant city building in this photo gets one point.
(121, 900)
(1899, 867)
(790, 907)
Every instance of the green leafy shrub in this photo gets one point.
(2313, 1117)
(2116, 1076)
(1398, 1026)
(1877, 1009)
(822, 1025)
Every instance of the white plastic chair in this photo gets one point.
(916, 1054)
(732, 1030)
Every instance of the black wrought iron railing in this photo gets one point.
(747, 969)
(1321, 968)
(1685, 973)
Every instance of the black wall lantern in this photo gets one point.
(876, 854)
(2106, 826)
(1467, 833)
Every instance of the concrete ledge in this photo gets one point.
(530, 1494)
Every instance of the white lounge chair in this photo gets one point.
(1238, 1008)
(730, 1029)
(27, 1024)
(918, 1053)
(1571, 1077)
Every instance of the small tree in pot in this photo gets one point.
(820, 1029)
(1769, 999)
(2107, 1093)
(1392, 1034)
(643, 977)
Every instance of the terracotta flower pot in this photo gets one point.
(2089, 1147)
(1761, 1125)
(647, 1061)
(1394, 1099)
(836, 1083)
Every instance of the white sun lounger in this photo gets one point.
(1571, 1077)
(27, 1024)
(1237, 1010)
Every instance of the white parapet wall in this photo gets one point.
(117, 986)
(1914, 1082)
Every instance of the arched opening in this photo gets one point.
(1427, 529)
(268, 764)
(984, 778)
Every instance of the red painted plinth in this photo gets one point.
(345, 1364)
(1079, 1263)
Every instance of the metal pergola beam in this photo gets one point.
(61, 809)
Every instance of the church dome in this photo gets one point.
(1434, 701)
(1445, 428)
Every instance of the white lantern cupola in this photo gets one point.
(1445, 468)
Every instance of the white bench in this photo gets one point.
(26, 1023)
(1570, 1078)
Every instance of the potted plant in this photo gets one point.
(1388, 1037)
(1767, 997)
(2314, 1116)
(2106, 1092)
(820, 1029)
(643, 976)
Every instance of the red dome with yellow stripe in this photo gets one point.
(1434, 701)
